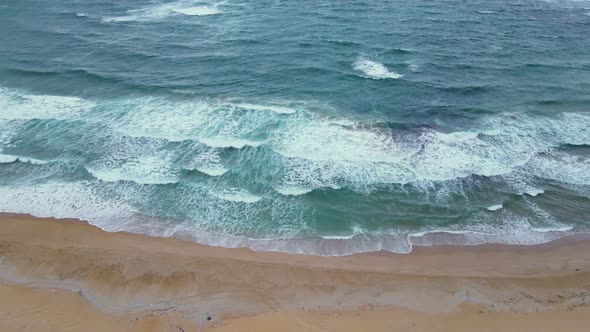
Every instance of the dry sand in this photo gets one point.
(63, 275)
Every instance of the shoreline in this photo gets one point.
(149, 283)
(433, 239)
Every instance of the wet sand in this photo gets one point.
(64, 275)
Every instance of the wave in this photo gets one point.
(198, 11)
(553, 229)
(19, 105)
(413, 66)
(374, 69)
(272, 108)
(236, 195)
(228, 142)
(212, 171)
(163, 11)
(495, 207)
(141, 166)
(8, 159)
(64, 200)
(103, 206)
(313, 150)
(323, 154)
(310, 150)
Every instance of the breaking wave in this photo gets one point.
(250, 173)
(374, 69)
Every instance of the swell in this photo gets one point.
(83, 76)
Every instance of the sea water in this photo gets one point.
(320, 127)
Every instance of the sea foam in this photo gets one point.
(8, 158)
(236, 195)
(163, 11)
(374, 69)
(19, 105)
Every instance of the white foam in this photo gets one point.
(206, 161)
(197, 11)
(144, 169)
(228, 142)
(215, 125)
(413, 67)
(562, 167)
(236, 195)
(293, 191)
(163, 11)
(338, 237)
(160, 118)
(17, 105)
(436, 231)
(272, 108)
(552, 229)
(534, 192)
(318, 139)
(212, 171)
(321, 153)
(81, 15)
(374, 69)
(63, 200)
(8, 158)
(495, 207)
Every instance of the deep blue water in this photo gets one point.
(326, 127)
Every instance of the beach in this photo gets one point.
(67, 275)
(264, 165)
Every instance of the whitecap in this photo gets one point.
(293, 191)
(197, 11)
(163, 11)
(144, 169)
(8, 158)
(272, 108)
(229, 142)
(18, 105)
(534, 192)
(236, 195)
(212, 171)
(214, 125)
(374, 69)
(413, 67)
(495, 207)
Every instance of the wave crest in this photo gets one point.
(163, 11)
(374, 69)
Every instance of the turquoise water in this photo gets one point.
(322, 127)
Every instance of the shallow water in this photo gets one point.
(325, 127)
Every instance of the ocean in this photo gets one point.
(319, 127)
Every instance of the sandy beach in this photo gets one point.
(66, 275)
